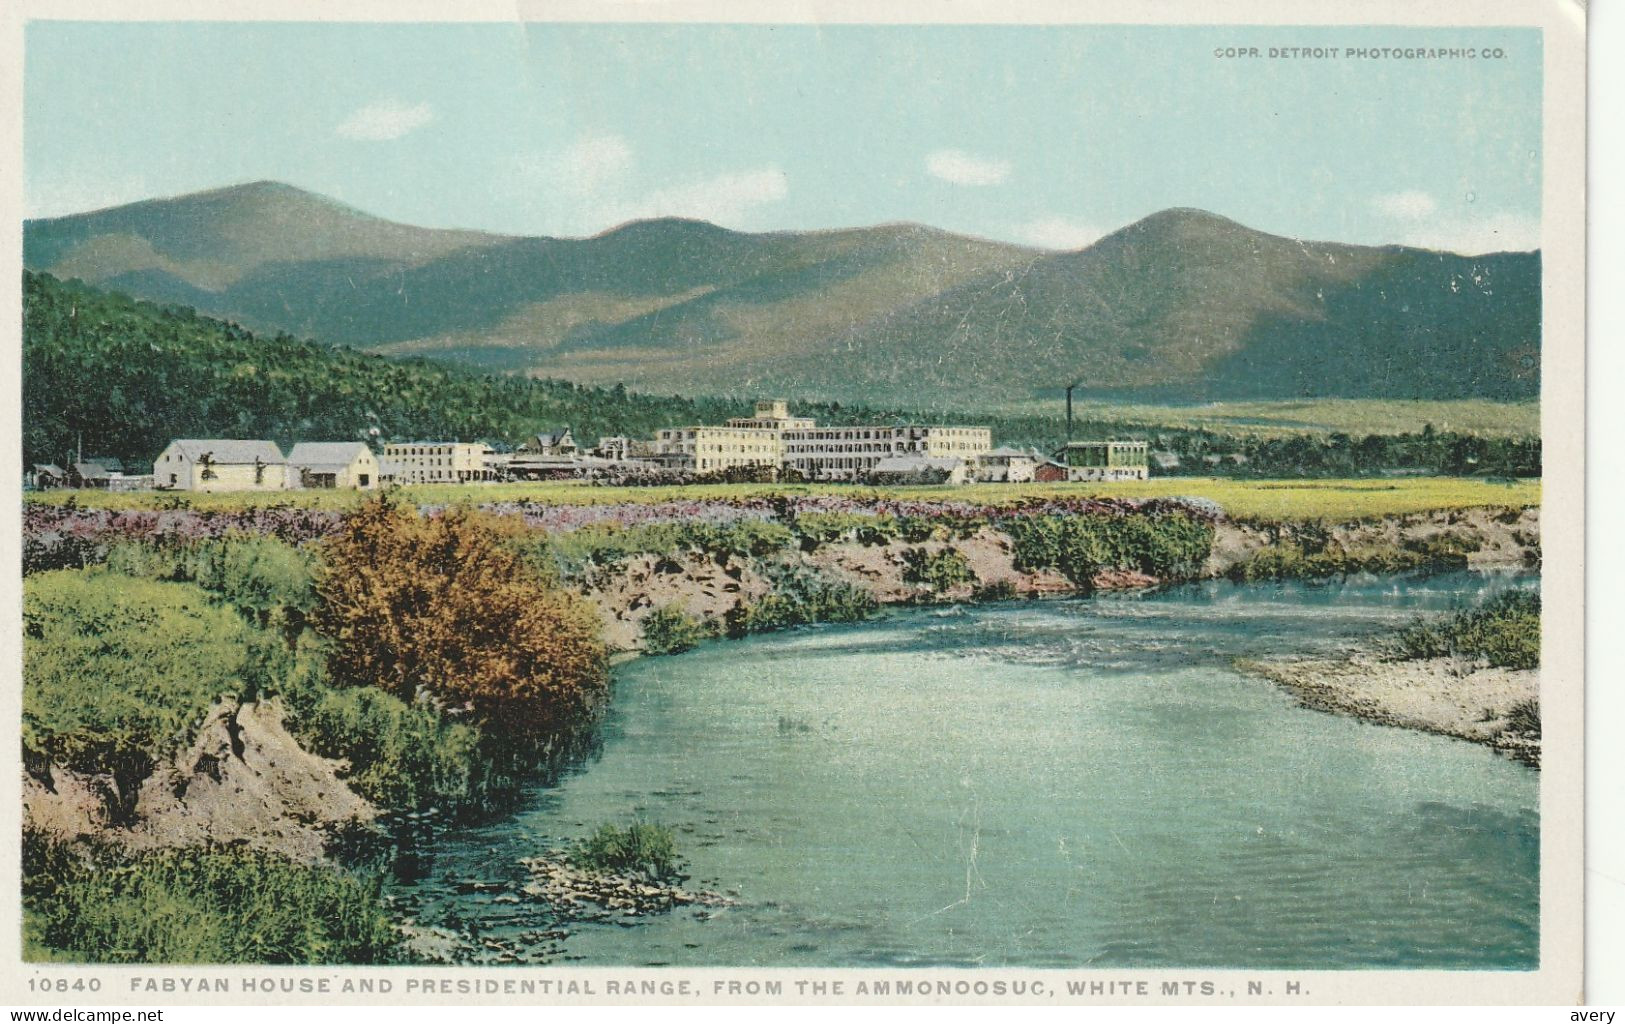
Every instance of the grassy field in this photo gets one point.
(1357, 416)
(1242, 499)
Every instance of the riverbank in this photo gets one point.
(998, 561)
(299, 759)
(746, 575)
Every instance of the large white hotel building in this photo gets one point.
(773, 437)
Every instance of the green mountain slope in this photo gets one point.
(1182, 306)
(211, 240)
(1188, 306)
(124, 377)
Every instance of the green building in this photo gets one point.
(1105, 460)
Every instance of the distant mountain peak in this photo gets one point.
(1180, 220)
(214, 238)
(659, 225)
(263, 186)
(1183, 303)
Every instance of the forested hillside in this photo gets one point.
(128, 376)
(124, 377)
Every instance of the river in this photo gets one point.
(1045, 784)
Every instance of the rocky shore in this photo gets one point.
(576, 894)
(1445, 696)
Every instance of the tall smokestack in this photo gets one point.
(1069, 388)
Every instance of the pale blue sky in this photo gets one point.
(1047, 135)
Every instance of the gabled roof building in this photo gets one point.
(220, 464)
(345, 465)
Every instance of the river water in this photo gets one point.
(1047, 784)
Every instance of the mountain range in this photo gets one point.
(1183, 305)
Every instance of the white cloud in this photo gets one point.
(592, 164)
(964, 168)
(1473, 236)
(1058, 233)
(724, 199)
(1410, 205)
(385, 120)
(1460, 227)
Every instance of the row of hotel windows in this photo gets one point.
(851, 463)
(879, 446)
(858, 435)
(725, 463)
(443, 474)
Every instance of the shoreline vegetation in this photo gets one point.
(1473, 674)
(278, 692)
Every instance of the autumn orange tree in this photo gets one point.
(442, 607)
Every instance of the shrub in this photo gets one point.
(881, 530)
(198, 905)
(1524, 718)
(1170, 545)
(670, 630)
(641, 848)
(998, 590)
(916, 529)
(1442, 545)
(815, 529)
(1312, 536)
(940, 570)
(800, 596)
(1288, 561)
(269, 581)
(401, 756)
(748, 538)
(118, 673)
(1504, 631)
(602, 545)
(446, 606)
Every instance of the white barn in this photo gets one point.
(344, 465)
(220, 465)
(1006, 466)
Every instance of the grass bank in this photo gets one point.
(1248, 500)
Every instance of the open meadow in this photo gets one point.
(1356, 416)
(1263, 500)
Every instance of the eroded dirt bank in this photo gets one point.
(243, 779)
(708, 588)
(1497, 536)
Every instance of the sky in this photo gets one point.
(1044, 135)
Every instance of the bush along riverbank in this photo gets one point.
(1473, 674)
(205, 715)
(274, 689)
